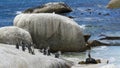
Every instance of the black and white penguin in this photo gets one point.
(29, 48)
(23, 46)
(44, 51)
(48, 51)
(90, 60)
(17, 45)
(57, 55)
(33, 52)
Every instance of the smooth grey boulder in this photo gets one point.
(56, 7)
(114, 4)
(15, 58)
(53, 30)
(13, 35)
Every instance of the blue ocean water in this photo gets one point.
(110, 53)
(107, 22)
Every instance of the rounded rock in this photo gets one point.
(58, 32)
(114, 4)
(13, 35)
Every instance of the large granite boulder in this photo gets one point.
(10, 57)
(114, 4)
(56, 31)
(57, 7)
(13, 35)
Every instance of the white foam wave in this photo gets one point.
(91, 19)
(101, 48)
(116, 34)
(81, 9)
(18, 12)
(112, 59)
(82, 26)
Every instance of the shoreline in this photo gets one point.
(104, 53)
(103, 64)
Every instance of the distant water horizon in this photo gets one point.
(98, 21)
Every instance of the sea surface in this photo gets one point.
(91, 14)
(104, 53)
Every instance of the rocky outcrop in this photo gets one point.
(58, 32)
(96, 43)
(56, 7)
(114, 4)
(105, 39)
(87, 36)
(110, 38)
(13, 35)
(84, 62)
(11, 57)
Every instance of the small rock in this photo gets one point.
(99, 13)
(87, 36)
(107, 14)
(83, 62)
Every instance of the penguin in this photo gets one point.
(107, 61)
(48, 51)
(23, 46)
(17, 45)
(33, 53)
(44, 51)
(90, 60)
(57, 55)
(29, 48)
